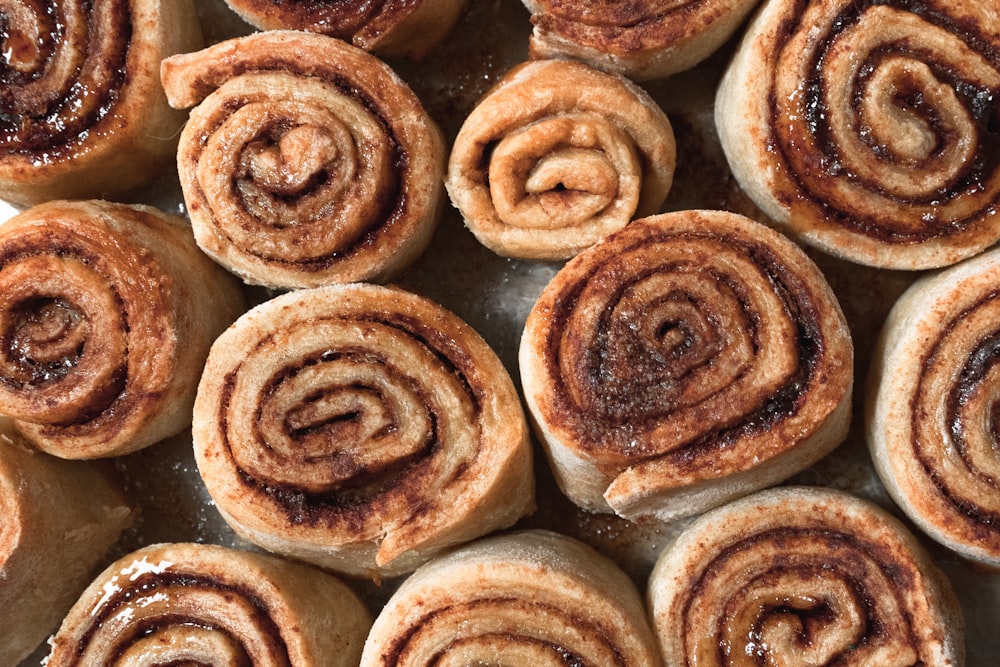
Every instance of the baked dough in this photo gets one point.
(643, 39)
(60, 519)
(199, 604)
(360, 428)
(82, 113)
(410, 28)
(107, 312)
(557, 156)
(689, 359)
(523, 599)
(869, 129)
(931, 406)
(306, 160)
(801, 575)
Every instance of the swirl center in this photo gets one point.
(563, 171)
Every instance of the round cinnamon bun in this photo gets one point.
(642, 39)
(306, 160)
(557, 156)
(870, 129)
(107, 312)
(410, 28)
(200, 604)
(60, 519)
(360, 428)
(82, 112)
(690, 358)
(801, 575)
(523, 599)
(932, 406)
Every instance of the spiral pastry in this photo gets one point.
(307, 161)
(557, 156)
(688, 359)
(107, 312)
(409, 28)
(932, 406)
(522, 599)
(82, 113)
(642, 39)
(198, 604)
(870, 128)
(361, 428)
(800, 575)
(59, 520)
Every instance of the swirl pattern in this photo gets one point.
(389, 28)
(688, 359)
(361, 428)
(195, 604)
(82, 113)
(813, 576)
(60, 518)
(306, 162)
(644, 39)
(557, 156)
(871, 129)
(932, 413)
(526, 598)
(107, 312)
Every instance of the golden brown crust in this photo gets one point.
(360, 204)
(60, 518)
(534, 597)
(410, 28)
(82, 113)
(867, 130)
(804, 574)
(647, 39)
(361, 428)
(107, 312)
(931, 416)
(686, 360)
(557, 156)
(172, 604)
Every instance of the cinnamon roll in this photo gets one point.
(107, 312)
(557, 156)
(306, 160)
(644, 39)
(60, 518)
(360, 428)
(522, 599)
(199, 604)
(870, 129)
(690, 358)
(82, 113)
(932, 406)
(800, 575)
(409, 28)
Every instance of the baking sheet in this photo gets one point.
(494, 295)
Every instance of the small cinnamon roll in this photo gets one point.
(199, 604)
(410, 28)
(306, 160)
(523, 599)
(557, 156)
(82, 112)
(107, 312)
(60, 519)
(870, 129)
(642, 39)
(800, 575)
(689, 359)
(932, 412)
(360, 428)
